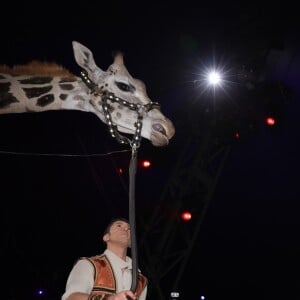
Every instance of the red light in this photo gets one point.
(270, 121)
(186, 216)
(120, 171)
(145, 163)
(237, 135)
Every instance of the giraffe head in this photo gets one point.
(117, 80)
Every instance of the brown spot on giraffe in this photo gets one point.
(63, 97)
(67, 79)
(45, 100)
(36, 80)
(6, 98)
(35, 92)
(66, 86)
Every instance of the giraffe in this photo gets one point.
(114, 96)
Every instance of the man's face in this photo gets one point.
(119, 233)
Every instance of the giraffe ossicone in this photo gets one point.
(40, 86)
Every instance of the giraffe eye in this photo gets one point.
(123, 86)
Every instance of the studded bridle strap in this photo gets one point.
(107, 97)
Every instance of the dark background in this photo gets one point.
(60, 185)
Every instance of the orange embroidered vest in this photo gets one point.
(104, 278)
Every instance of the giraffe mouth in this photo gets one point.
(159, 136)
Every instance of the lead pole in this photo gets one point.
(134, 255)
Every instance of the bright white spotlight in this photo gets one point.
(211, 79)
(214, 78)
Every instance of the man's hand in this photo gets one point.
(124, 295)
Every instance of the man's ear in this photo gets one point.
(106, 237)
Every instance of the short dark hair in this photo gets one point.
(112, 221)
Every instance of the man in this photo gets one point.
(107, 276)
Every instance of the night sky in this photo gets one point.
(60, 185)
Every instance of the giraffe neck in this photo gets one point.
(36, 93)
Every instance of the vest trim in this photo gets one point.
(104, 277)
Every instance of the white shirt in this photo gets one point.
(81, 277)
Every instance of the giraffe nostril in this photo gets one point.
(159, 128)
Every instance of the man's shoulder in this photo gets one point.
(94, 257)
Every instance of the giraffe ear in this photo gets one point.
(84, 58)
